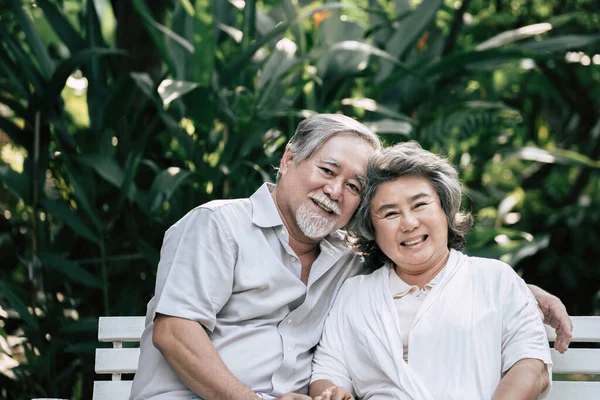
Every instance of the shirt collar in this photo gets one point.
(264, 210)
(399, 288)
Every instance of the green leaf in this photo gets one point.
(390, 126)
(108, 170)
(560, 43)
(158, 32)
(70, 218)
(278, 31)
(204, 42)
(19, 64)
(514, 35)
(69, 269)
(166, 183)
(558, 156)
(57, 83)
(171, 89)
(35, 42)
(8, 293)
(18, 184)
(373, 106)
(20, 137)
(409, 30)
(62, 26)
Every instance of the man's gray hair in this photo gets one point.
(408, 159)
(314, 131)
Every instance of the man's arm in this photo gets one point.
(555, 315)
(525, 380)
(190, 353)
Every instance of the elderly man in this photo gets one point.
(244, 286)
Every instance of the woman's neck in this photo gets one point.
(423, 277)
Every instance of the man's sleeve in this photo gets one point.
(196, 268)
(330, 360)
(523, 334)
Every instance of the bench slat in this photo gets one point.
(563, 390)
(120, 329)
(117, 361)
(585, 329)
(576, 361)
(112, 390)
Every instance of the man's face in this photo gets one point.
(320, 194)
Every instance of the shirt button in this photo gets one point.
(289, 321)
(289, 348)
(294, 259)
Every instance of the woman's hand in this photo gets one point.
(335, 393)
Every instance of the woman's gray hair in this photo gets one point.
(408, 159)
(314, 131)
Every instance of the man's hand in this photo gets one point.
(335, 393)
(555, 315)
(293, 396)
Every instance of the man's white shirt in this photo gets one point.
(227, 265)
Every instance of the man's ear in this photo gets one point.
(286, 161)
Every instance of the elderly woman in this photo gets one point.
(429, 322)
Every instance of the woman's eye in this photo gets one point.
(419, 205)
(390, 214)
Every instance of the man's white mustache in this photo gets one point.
(319, 198)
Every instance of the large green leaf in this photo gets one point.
(70, 218)
(560, 43)
(33, 38)
(158, 32)
(373, 106)
(390, 126)
(278, 31)
(18, 184)
(514, 35)
(56, 84)
(409, 30)
(21, 65)
(558, 156)
(109, 170)
(166, 183)
(69, 269)
(62, 26)
(21, 137)
(8, 293)
(204, 43)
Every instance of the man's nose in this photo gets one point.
(334, 188)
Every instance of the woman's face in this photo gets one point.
(410, 224)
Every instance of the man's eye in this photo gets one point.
(354, 188)
(326, 171)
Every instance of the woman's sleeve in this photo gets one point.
(331, 358)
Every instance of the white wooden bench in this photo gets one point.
(119, 360)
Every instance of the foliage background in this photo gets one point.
(118, 117)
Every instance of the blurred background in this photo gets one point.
(119, 116)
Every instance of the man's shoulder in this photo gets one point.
(224, 207)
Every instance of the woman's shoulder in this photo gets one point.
(490, 268)
(363, 282)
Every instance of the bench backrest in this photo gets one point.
(119, 360)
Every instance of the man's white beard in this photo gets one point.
(312, 224)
